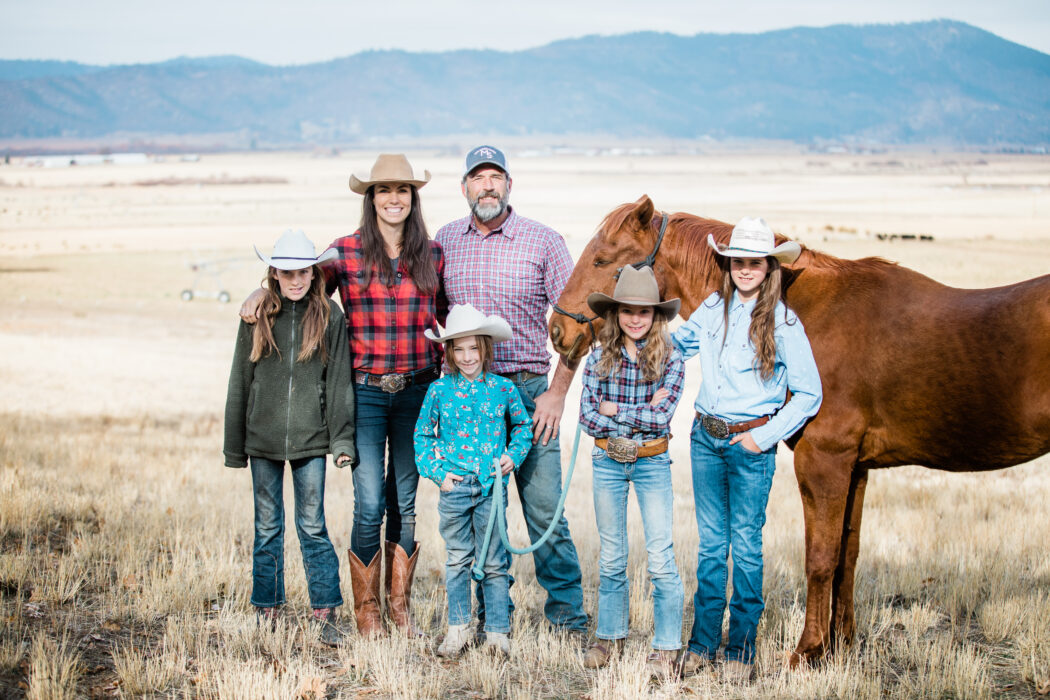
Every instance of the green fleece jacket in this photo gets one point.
(282, 409)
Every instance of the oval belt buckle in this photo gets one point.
(715, 427)
(624, 450)
(392, 383)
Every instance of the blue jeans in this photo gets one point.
(730, 488)
(385, 422)
(464, 515)
(539, 488)
(319, 559)
(652, 487)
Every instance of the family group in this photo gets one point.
(437, 365)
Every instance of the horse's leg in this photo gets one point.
(843, 623)
(824, 482)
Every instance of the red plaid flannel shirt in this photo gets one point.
(385, 324)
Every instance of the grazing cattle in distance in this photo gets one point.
(913, 372)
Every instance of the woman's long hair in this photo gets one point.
(763, 316)
(415, 252)
(652, 359)
(315, 320)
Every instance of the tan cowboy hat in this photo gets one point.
(294, 251)
(752, 238)
(389, 167)
(464, 320)
(634, 288)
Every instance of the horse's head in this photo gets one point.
(626, 236)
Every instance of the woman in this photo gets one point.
(388, 273)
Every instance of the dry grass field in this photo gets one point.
(125, 545)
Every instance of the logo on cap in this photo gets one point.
(485, 152)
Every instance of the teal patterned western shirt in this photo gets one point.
(462, 427)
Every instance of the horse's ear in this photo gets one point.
(643, 210)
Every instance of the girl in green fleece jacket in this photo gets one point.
(289, 401)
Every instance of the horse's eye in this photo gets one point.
(600, 263)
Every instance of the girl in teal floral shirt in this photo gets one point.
(460, 439)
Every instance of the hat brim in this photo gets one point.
(600, 303)
(297, 263)
(483, 163)
(497, 329)
(360, 185)
(787, 252)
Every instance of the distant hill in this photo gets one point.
(940, 82)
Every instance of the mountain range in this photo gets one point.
(938, 82)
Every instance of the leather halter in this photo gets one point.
(648, 262)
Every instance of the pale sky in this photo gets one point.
(304, 31)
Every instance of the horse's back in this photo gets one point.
(916, 372)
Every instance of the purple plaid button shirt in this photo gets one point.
(635, 418)
(517, 272)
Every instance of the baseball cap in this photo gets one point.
(486, 155)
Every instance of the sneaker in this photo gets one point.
(602, 651)
(692, 663)
(498, 642)
(455, 641)
(330, 634)
(662, 664)
(738, 671)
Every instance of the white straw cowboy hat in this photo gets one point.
(752, 238)
(464, 320)
(389, 167)
(294, 251)
(634, 288)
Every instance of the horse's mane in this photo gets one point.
(691, 246)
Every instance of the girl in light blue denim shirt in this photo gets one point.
(753, 350)
(460, 441)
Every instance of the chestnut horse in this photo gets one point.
(913, 372)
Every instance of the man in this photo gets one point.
(514, 267)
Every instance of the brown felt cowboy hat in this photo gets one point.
(634, 288)
(389, 167)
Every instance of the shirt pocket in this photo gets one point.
(521, 281)
(460, 287)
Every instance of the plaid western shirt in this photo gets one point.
(385, 324)
(635, 418)
(517, 272)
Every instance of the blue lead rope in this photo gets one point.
(499, 511)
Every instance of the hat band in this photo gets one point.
(747, 250)
(289, 257)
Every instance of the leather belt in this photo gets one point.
(393, 383)
(719, 428)
(626, 450)
(520, 377)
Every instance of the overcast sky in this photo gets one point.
(304, 31)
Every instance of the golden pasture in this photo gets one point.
(125, 545)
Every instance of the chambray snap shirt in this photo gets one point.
(462, 427)
(732, 388)
(517, 272)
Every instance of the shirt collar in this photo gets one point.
(507, 228)
(638, 344)
(740, 303)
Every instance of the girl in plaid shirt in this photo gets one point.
(631, 386)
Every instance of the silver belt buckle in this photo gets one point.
(715, 427)
(392, 383)
(624, 450)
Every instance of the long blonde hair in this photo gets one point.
(315, 320)
(763, 316)
(652, 359)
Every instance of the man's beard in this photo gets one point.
(488, 212)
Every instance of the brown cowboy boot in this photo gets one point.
(400, 569)
(365, 583)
